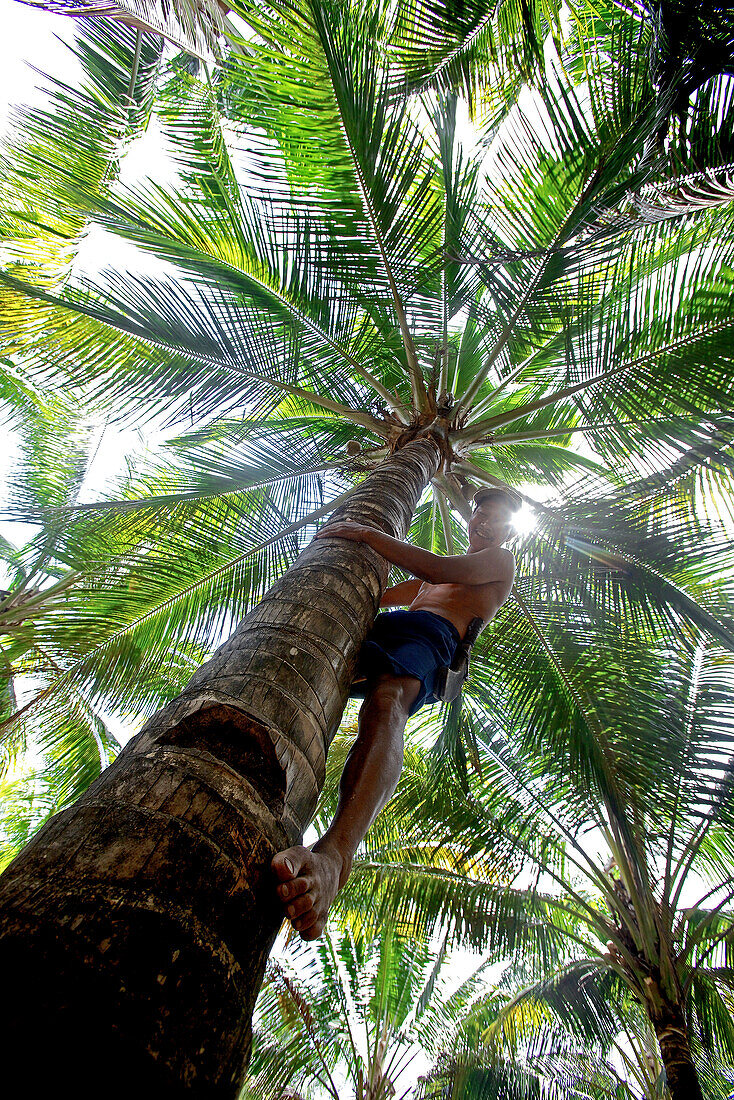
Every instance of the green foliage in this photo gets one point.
(352, 1012)
(76, 141)
(509, 217)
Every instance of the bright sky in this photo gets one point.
(30, 36)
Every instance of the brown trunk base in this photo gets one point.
(163, 897)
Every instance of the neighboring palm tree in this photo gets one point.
(364, 277)
(347, 1017)
(55, 448)
(599, 1052)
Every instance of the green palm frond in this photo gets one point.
(354, 1008)
(284, 255)
(154, 583)
(76, 141)
(70, 749)
(578, 1023)
(484, 50)
(542, 1055)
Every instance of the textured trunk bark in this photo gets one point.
(136, 925)
(675, 1052)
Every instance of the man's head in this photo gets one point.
(491, 520)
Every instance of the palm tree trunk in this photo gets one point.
(136, 925)
(675, 1051)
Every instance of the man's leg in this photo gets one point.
(311, 877)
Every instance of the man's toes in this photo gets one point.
(283, 867)
(304, 922)
(314, 931)
(287, 864)
(293, 889)
(300, 905)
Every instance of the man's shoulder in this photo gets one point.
(508, 560)
(501, 555)
(500, 563)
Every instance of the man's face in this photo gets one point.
(490, 524)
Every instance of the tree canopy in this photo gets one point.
(512, 222)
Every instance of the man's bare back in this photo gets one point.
(456, 588)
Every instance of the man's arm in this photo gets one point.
(400, 595)
(492, 564)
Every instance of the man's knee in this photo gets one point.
(394, 694)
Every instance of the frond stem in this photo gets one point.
(134, 70)
(485, 427)
(420, 397)
(445, 520)
(522, 437)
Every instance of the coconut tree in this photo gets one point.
(608, 1050)
(348, 1016)
(348, 269)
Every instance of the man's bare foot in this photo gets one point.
(308, 881)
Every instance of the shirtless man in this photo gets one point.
(448, 593)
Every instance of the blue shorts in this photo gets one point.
(407, 643)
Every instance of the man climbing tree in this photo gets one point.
(398, 664)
